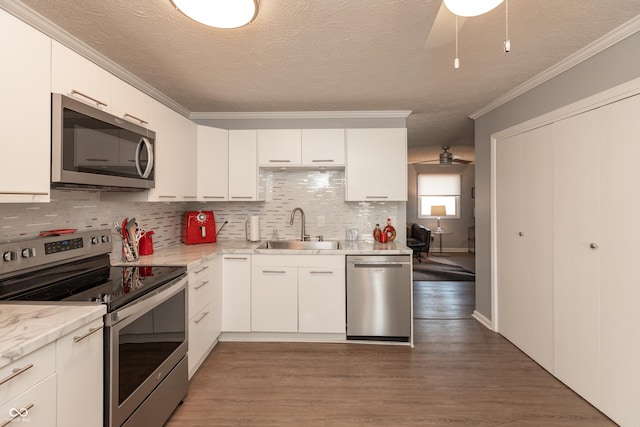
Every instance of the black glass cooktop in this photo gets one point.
(89, 281)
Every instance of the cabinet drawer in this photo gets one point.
(200, 288)
(201, 336)
(36, 407)
(25, 372)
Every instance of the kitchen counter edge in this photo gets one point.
(26, 327)
(191, 255)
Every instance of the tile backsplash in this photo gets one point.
(319, 193)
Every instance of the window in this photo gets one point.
(438, 190)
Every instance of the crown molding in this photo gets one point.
(391, 114)
(622, 32)
(37, 21)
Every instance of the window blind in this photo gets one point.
(438, 184)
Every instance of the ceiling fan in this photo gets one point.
(446, 158)
(446, 27)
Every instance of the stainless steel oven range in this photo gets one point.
(145, 347)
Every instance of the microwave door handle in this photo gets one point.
(144, 141)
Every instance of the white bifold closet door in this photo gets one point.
(524, 234)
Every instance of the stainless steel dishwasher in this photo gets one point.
(379, 297)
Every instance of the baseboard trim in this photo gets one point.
(483, 320)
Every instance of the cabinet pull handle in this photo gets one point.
(377, 197)
(84, 95)
(202, 269)
(15, 413)
(201, 317)
(279, 161)
(190, 197)
(213, 197)
(274, 271)
(15, 373)
(83, 336)
(236, 257)
(321, 272)
(242, 197)
(201, 285)
(21, 193)
(168, 197)
(322, 161)
(131, 116)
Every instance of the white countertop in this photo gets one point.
(185, 255)
(26, 327)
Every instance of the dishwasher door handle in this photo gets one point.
(380, 265)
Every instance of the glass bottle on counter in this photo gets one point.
(376, 233)
(390, 231)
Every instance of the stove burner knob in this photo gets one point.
(10, 256)
(105, 239)
(28, 252)
(94, 240)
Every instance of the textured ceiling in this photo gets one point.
(340, 55)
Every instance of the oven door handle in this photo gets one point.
(147, 302)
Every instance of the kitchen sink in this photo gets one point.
(299, 245)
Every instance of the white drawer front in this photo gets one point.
(36, 407)
(26, 372)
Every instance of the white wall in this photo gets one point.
(613, 66)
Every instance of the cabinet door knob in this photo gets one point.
(521, 234)
(593, 246)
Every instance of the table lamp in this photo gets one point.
(438, 211)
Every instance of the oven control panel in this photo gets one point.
(40, 251)
(63, 245)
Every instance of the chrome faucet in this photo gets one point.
(303, 236)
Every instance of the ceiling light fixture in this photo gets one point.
(507, 40)
(471, 7)
(456, 62)
(219, 13)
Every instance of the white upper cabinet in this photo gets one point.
(323, 147)
(213, 164)
(376, 168)
(176, 146)
(300, 147)
(25, 112)
(77, 77)
(279, 147)
(131, 104)
(243, 167)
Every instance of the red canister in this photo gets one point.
(146, 243)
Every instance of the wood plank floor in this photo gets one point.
(459, 374)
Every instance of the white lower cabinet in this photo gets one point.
(274, 299)
(205, 310)
(60, 384)
(236, 292)
(36, 407)
(79, 369)
(298, 293)
(321, 299)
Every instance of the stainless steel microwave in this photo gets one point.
(93, 149)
